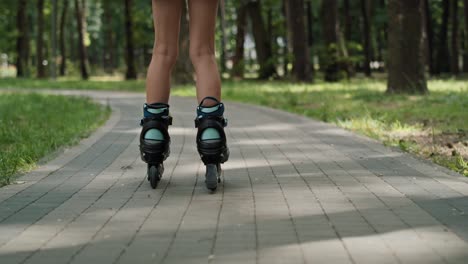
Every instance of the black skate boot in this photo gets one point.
(211, 140)
(155, 140)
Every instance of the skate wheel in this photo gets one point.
(212, 177)
(218, 167)
(154, 175)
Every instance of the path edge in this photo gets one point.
(360, 138)
(60, 157)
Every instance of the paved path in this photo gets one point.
(294, 191)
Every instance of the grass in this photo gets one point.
(110, 84)
(33, 126)
(433, 126)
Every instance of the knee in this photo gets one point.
(198, 53)
(166, 54)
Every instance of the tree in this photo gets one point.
(40, 40)
(130, 55)
(406, 47)
(238, 58)
(429, 36)
(381, 26)
(109, 35)
(348, 21)
(286, 36)
(79, 12)
(63, 52)
(301, 65)
(262, 41)
(310, 32)
(115, 35)
(454, 68)
(53, 40)
(465, 55)
(310, 23)
(330, 28)
(22, 40)
(442, 56)
(366, 37)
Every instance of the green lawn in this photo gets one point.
(75, 84)
(33, 125)
(433, 126)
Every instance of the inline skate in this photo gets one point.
(211, 140)
(155, 140)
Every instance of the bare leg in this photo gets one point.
(166, 18)
(202, 48)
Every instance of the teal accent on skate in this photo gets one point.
(210, 133)
(156, 111)
(154, 134)
(209, 109)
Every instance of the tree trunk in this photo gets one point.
(28, 62)
(310, 23)
(270, 24)
(366, 38)
(301, 65)
(71, 38)
(238, 59)
(330, 29)
(40, 40)
(465, 55)
(63, 52)
(381, 37)
(347, 20)
(429, 36)
(183, 68)
(406, 47)
(310, 34)
(443, 59)
(53, 40)
(222, 14)
(285, 38)
(22, 39)
(79, 12)
(262, 41)
(454, 68)
(384, 29)
(130, 52)
(108, 37)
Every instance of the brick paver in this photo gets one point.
(294, 191)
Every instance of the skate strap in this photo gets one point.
(199, 121)
(164, 119)
(214, 122)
